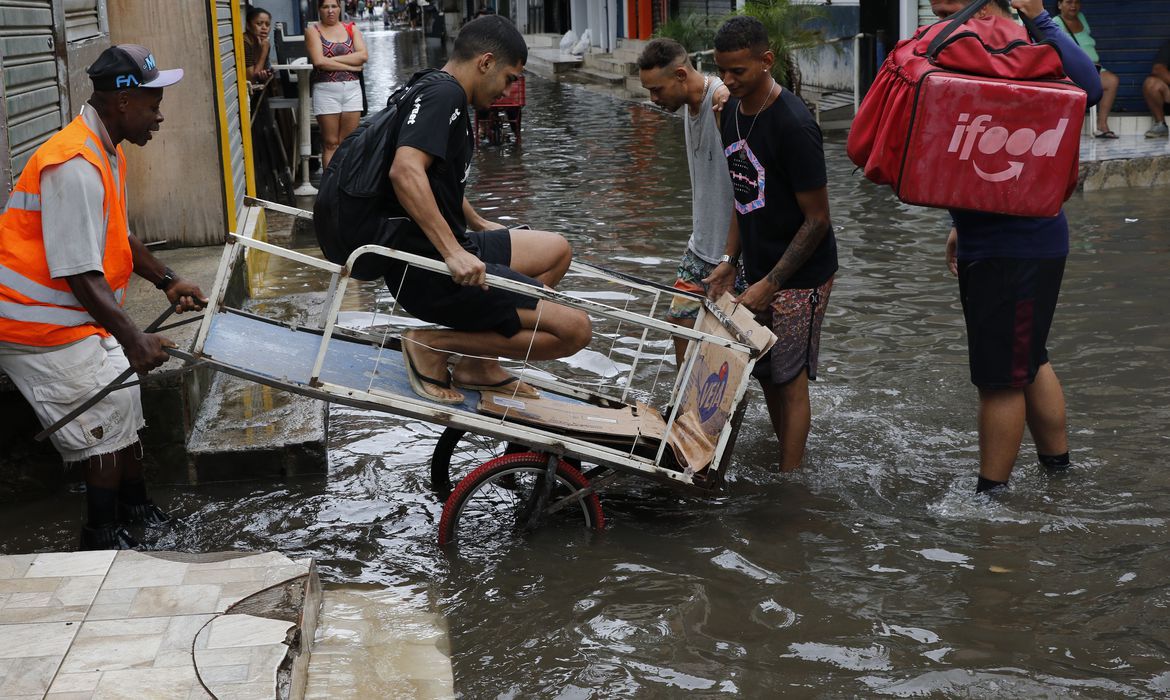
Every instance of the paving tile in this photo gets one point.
(25, 641)
(28, 585)
(27, 676)
(215, 677)
(71, 564)
(101, 653)
(76, 682)
(78, 590)
(124, 628)
(86, 695)
(15, 565)
(164, 684)
(250, 691)
(246, 631)
(138, 570)
(182, 630)
(176, 600)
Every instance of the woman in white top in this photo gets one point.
(338, 53)
(1073, 21)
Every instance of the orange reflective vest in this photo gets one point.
(35, 308)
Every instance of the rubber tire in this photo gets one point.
(441, 459)
(452, 509)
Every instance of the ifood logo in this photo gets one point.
(970, 133)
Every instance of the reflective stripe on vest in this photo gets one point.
(45, 295)
(44, 314)
(26, 201)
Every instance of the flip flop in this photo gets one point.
(500, 388)
(418, 382)
(1107, 134)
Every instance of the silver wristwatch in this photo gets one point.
(730, 259)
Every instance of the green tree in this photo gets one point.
(790, 27)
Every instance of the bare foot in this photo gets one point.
(427, 370)
(487, 375)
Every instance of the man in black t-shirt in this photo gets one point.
(431, 163)
(781, 225)
(1156, 90)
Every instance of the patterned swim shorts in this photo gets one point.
(692, 270)
(795, 317)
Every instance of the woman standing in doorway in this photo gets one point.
(338, 53)
(256, 45)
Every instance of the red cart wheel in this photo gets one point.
(496, 499)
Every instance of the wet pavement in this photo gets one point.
(873, 572)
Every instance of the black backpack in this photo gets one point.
(355, 203)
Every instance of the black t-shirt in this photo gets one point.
(783, 155)
(435, 121)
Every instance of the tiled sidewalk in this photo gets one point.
(1128, 161)
(158, 625)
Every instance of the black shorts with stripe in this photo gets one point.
(1008, 305)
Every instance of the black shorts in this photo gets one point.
(436, 298)
(1008, 306)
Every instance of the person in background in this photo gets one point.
(433, 152)
(667, 74)
(256, 45)
(67, 254)
(1156, 90)
(338, 53)
(1073, 21)
(1010, 270)
(776, 161)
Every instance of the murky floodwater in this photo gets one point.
(872, 572)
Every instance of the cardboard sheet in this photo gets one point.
(705, 402)
(622, 423)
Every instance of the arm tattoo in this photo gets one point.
(802, 247)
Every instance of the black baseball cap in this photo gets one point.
(130, 66)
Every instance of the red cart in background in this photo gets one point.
(489, 123)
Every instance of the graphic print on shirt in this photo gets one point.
(747, 177)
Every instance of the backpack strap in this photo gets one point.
(953, 23)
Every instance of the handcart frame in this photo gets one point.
(634, 458)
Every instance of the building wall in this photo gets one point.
(175, 182)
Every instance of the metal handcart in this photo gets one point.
(507, 110)
(551, 453)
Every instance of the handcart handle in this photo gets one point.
(119, 382)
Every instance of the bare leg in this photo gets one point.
(1109, 83)
(1001, 428)
(541, 255)
(561, 331)
(1046, 412)
(680, 344)
(791, 415)
(330, 128)
(1157, 94)
(347, 123)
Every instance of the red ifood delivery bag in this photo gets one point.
(972, 117)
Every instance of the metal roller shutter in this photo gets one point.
(1129, 34)
(231, 93)
(925, 16)
(33, 109)
(83, 19)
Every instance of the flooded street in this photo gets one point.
(872, 572)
